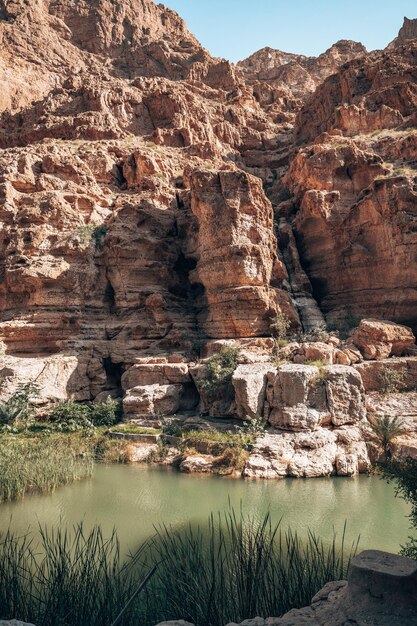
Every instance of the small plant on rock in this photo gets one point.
(220, 368)
(320, 363)
(91, 232)
(19, 407)
(254, 427)
(385, 430)
(390, 380)
(279, 328)
(318, 333)
(349, 322)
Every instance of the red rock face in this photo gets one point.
(151, 195)
(235, 222)
(355, 188)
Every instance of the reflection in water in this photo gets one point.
(135, 499)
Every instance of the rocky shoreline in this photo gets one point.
(318, 414)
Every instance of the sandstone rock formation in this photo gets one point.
(155, 201)
(380, 340)
(354, 199)
(407, 32)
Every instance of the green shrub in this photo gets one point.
(390, 380)
(348, 322)
(280, 326)
(106, 413)
(385, 430)
(98, 235)
(171, 427)
(219, 372)
(254, 427)
(19, 407)
(91, 232)
(70, 416)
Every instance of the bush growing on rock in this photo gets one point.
(106, 413)
(19, 407)
(317, 334)
(279, 327)
(390, 380)
(220, 368)
(71, 416)
(385, 430)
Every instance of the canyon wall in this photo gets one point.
(155, 201)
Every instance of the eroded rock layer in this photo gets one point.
(155, 201)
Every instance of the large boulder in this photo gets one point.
(303, 397)
(195, 463)
(345, 395)
(379, 339)
(249, 382)
(59, 376)
(296, 401)
(152, 401)
(155, 372)
(389, 375)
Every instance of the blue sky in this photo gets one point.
(233, 29)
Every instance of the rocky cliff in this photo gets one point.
(155, 200)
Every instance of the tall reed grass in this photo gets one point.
(233, 568)
(40, 465)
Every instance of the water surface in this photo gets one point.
(135, 499)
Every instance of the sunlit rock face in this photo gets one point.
(354, 188)
(155, 201)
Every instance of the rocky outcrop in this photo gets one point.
(317, 417)
(237, 264)
(295, 74)
(380, 340)
(355, 230)
(408, 31)
(354, 198)
(303, 397)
